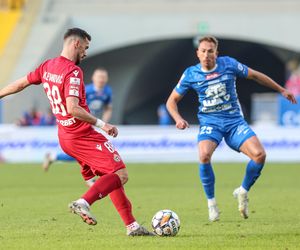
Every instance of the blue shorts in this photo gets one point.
(234, 131)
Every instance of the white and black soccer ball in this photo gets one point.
(165, 223)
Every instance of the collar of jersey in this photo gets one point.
(208, 71)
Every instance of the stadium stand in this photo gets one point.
(18, 17)
(10, 18)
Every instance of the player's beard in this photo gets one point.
(78, 60)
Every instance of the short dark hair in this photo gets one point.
(77, 32)
(210, 39)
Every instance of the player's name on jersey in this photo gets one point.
(52, 77)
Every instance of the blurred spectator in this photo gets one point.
(36, 118)
(30, 118)
(163, 115)
(293, 80)
(48, 119)
(99, 95)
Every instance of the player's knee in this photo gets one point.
(204, 157)
(123, 175)
(124, 179)
(260, 156)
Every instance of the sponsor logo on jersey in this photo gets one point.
(67, 122)
(74, 87)
(221, 107)
(75, 80)
(74, 92)
(99, 147)
(212, 75)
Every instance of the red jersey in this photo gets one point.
(62, 78)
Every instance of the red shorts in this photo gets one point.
(95, 154)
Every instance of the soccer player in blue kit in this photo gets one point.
(99, 95)
(99, 101)
(220, 116)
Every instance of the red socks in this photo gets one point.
(102, 187)
(123, 205)
(111, 184)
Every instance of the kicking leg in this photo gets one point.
(252, 148)
(101, 188)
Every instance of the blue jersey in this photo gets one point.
(216, 89)
(98, 99)
(220, 115)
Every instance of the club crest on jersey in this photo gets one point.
(117, 158)
(212, 75)
(76, 72)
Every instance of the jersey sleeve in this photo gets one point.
(240, 69)
(183, 85)
(74, 83)
(35, 77)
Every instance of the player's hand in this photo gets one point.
(288, 95)
(110, 130)
(182, 124)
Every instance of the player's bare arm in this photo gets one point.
(15, 87)
(265, 80)
(107, 113)
(172, 107)
(78, 112)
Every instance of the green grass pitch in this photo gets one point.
(34, 213)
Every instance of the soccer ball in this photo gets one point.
(165, 223)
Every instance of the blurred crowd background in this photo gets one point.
(146, 45)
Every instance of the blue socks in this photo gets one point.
(253, 170)
(207, 178)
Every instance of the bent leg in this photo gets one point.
(253, 148)
(102, 187)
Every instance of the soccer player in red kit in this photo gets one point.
(63, 84)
